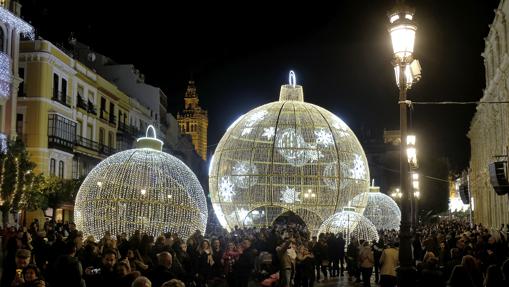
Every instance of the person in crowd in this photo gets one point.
(388, 262)
(12, 273)
(162, 272)
(287, 256)
(366, 263)
(67, 269)
(142, 281)
(32, 277)
(352, 255)
(244, 266)
(341, 245)
(494, 277)
(305, 267)
(378, 247)
(430, 273)
(204, 263)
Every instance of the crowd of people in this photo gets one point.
(448, 253)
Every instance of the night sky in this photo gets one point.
(240, 53)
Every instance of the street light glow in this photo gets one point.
(403, 38)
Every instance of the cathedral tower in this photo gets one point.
(194, 121)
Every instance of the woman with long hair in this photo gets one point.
(204, 263)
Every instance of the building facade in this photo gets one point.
(194, 120)
(69, 117)
(12, 28)
(489, 129)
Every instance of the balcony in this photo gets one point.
(60, 143)
(128, 129)
(94, 146)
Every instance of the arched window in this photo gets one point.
(61, 169)
(52, 166)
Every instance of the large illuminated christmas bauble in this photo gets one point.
(141, 189)
(380, 209)
(351, 225)
(285, 156)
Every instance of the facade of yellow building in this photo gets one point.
(489, 129)
(194, 121)
(69, 117)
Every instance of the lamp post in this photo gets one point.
(407, 70)
(415, 199)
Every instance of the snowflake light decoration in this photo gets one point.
(246, 131)
(226, 189)
(351, 225)
(254, 118)
(240, 174)
(359, 168)
(292, 144)
(269, 133)
(381, 210)
(290, 195)
(141, 189)
(324, 137)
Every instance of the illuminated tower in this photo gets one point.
(194, 121)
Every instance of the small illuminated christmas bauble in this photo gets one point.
(141, 189)
(381, 209)
(351, 225)
(286, 156)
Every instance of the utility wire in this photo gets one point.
(457, 103)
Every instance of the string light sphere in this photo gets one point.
(351, 225)
(380, 209)
(141, 189)
(273, 156)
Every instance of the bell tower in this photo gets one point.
(194, 120)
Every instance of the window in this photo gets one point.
(19, 124)
(55, 86)
(79, 126)
(63, 98)
(101, 135)
(52, 166)
(90, 133)
(112, 113)
(61, 169)
(110, 139)
(61, 130)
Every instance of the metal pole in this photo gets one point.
(406, 268)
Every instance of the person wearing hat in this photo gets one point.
(12, 275)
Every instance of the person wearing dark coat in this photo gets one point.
(245, 265)
(162, 272)
(431, 275)
(67, 269)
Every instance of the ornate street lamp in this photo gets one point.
(402, 29)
